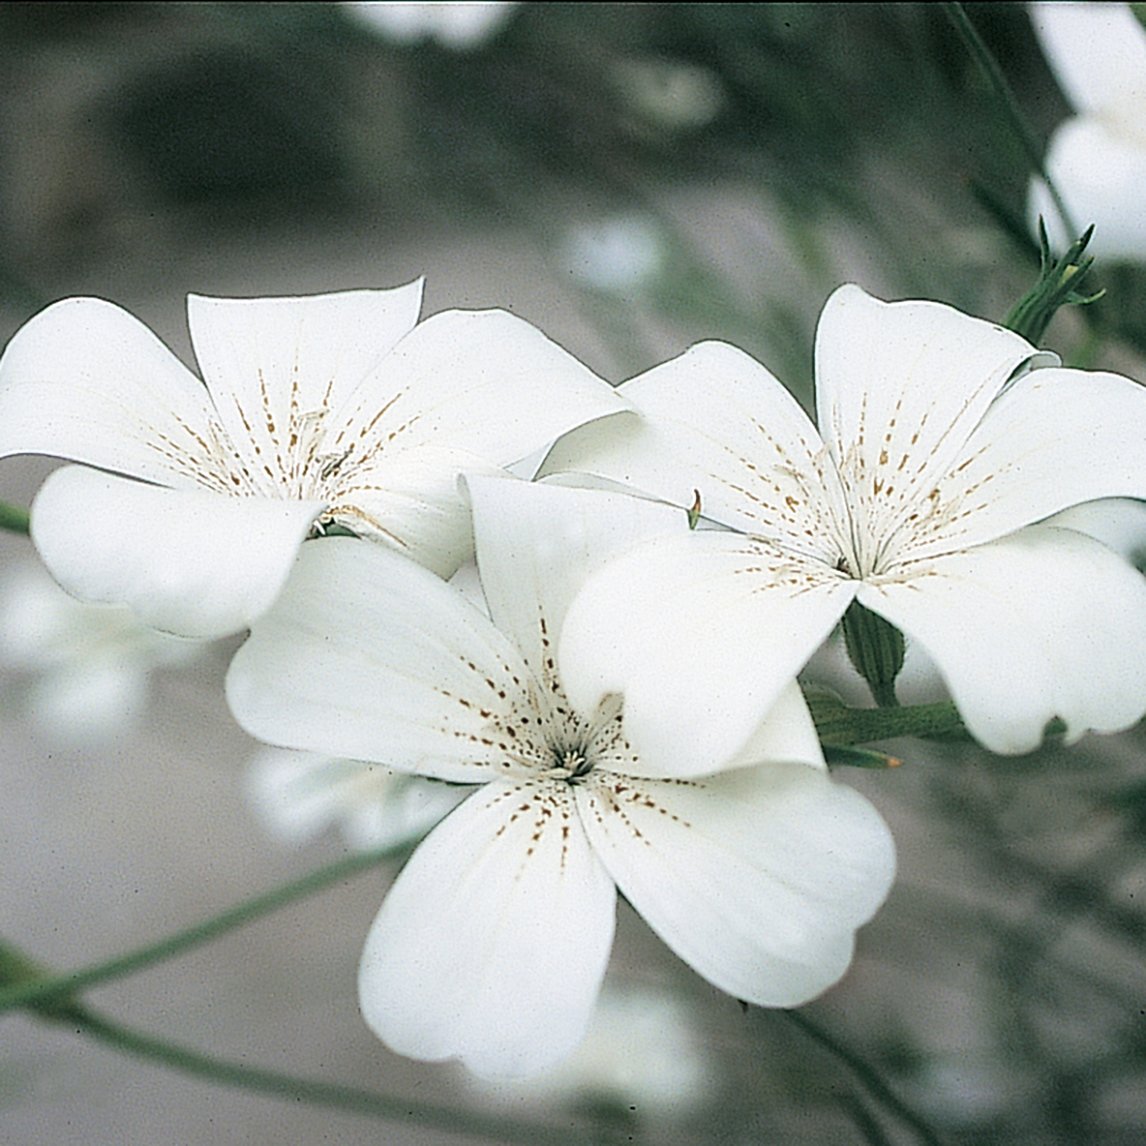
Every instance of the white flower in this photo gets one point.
(335, 409)
(616, 254)
(642, 1051)
(918, 498)
(493, 941)
(1097, 158)
(299, 794)
(454, 25)
(670, 94)
(89, 664)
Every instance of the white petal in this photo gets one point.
(368, 655)
(90, 702)
(412, 807)
(1097, 52)
(716, 422)
(1056, 438)
(787, 732)
(1044, 623)
(482, 382)
(299, 794)
(1119, 523)
(756, 878)
(414, 505)
(1099, 172)
(537, 544)
(700, 634)
(272, 363)
(186, 561)
(899, 387)
(85, 380)
(493, 941)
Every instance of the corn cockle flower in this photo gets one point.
(299, 794)
(923, 496)
(492, 943)
(644, 1050)
(337, 409)
(458, 26)
(89, 666)
(1096, 158)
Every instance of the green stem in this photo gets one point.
(989, 66)
(346, 1098)
(867, 1075)
(837, 724)
(13, 518)
(26, 987)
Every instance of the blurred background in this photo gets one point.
(631, 179)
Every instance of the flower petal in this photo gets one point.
(272, 364)
(85, 380)
(1054, 439)
(189, 562)
(416, 506)
(714, 422)
(1099, 173)
(480, 381)
(299, 794)
(787, 732)
(1119, 523)
(537, 544)
(1097, 52)
(700, 634)
(899, 388)
(492, 943)
(1046, 622)
(756, 878)
(369, 656)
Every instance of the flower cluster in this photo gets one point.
(1097, 157)
(612, 705)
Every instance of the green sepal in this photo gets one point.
(840, 754)
(875, 648)
(1056, 286)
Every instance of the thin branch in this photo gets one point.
(989, 66)
(346, 1098)
(30, 990)
(867, 1075)
(13, 518)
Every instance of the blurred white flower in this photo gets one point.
(453, 25)
(670, 94)
(926, 495)
(614, 255)
(297, 795)
(1097, 158)
(492, 943)
(88, 664)
(643, 1051)
(337, 410)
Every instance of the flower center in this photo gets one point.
(572, 763)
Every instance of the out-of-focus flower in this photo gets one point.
(614, 255)
(923, 497)
(89, 665)
(333, 410)
(492, 944)
(1097, 158)
(299, 794)
(642, 1053)
(453, 25)
(669, 94)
